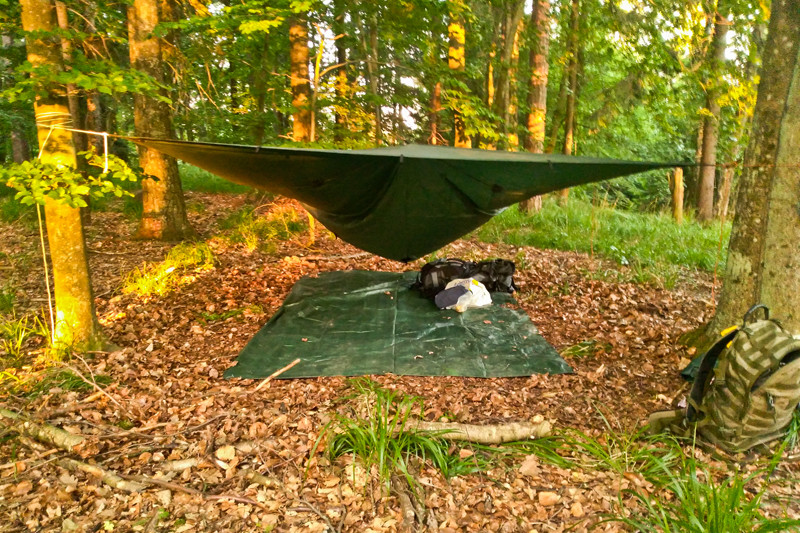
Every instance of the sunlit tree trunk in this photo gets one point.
(164, 211)
(76, 324)
(708, 159)
(259, 91)
(457, 61)
(763, 263)
(436, 109)
(301, 86)
(537, 87)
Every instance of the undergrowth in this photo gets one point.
(199, 180)
(34, 384)
(380, 434)
(161, 278)
(245, 226)
(652, 246)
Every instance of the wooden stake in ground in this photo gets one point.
(676, 186)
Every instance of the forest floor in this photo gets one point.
(164, 415)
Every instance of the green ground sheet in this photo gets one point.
(352, 323)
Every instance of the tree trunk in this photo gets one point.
(676, 188)
(511, 120)
(558, 116)
(537, 87)
(342, 81)
(572, 89)
(374, 80)
(76, 324)
(708, 159)
(506, 73)
(259, 90)
(456, 60)
(301, 86)
(81, 143)
(164, 211)
(763, 261)
(436, 109)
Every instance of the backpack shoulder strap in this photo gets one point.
(704, 375)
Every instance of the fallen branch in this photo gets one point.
(275, 374)
(108, 477)
(44, 433)
(492, 434)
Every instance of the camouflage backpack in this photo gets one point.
(746, 389)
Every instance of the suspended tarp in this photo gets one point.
(399, 202)
(354, 323)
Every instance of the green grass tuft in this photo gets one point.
(652, 245)
(379, 435)
(161, 278)
(693, 501)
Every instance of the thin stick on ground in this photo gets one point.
(275, 374)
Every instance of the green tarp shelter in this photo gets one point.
(399, 202)
(357, 322)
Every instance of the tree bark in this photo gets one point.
(763, 261)
(301, 86)
(76, 326)
(342, 81)
(374, 80)
(708, 159)
(164, 210)
(676, 187)
(436, 109)
(456, 60)
(80, 140)
(537, 87)
(572, 89)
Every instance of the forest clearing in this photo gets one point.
(218, 455)
(362, 141)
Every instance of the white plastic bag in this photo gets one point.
(476, 295)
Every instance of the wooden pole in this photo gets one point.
(676, 186)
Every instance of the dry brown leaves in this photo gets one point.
(225, 459)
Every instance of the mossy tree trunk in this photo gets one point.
(76, 324)
(164, 210)
(764, 255)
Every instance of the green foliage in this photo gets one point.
(379, 434)
(7, 297)
(652, 245)
(35, 181)
(15, 332)
(245, 226)
(161, 278)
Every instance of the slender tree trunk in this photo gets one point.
(512, 121)
(558, 115)
(81, 143)
(76, 324)
(301, 86)
(164, 211)
(436, 109)
(537, 87)
(763, 261)
(457, 61)
(708, 160)
(676, 188)
(259, 89)
(572, 89)
(342, 81)
(374, 81)
(20, 151)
